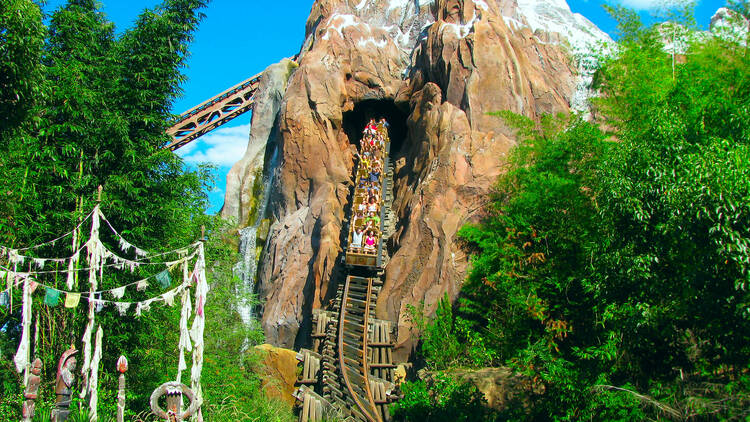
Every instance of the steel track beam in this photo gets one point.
(213, 113)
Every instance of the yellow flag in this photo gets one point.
(72, 299)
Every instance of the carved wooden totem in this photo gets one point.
(174, 392)
(32, 390)
(64, 385)
(122, 366)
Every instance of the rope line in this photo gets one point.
(125, 246)
(24, 276)
(51, 242)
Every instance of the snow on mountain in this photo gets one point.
(550, 19)
(555, 17)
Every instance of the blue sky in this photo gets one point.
(240, 38)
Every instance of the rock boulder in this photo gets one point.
(279, 372)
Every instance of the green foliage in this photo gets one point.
(84, 107)
(42, 415)
(440, 398)
(611, 270)
(674, 194)
(740, 6)
(528, 293)
(447, 341)
(232, 383)
(21, 42)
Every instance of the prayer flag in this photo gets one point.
(199, 307)
(4, 299)
(142, 307)
(99, 304)
(141, 285)
(122, 307)
(164, 279)
(72, 299)
(118, 293)
(52, 297)
(169, 297)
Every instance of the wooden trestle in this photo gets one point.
(349, 374)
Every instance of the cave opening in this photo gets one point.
(354, 121)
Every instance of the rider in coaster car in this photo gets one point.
(370, 241)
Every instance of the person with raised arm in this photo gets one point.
(357, 238)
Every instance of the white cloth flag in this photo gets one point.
(118, 293)
(169, 297)
(72, 270)
(199, 323)
(86, 357)
(125, 245)
(122, 307)
(95, 251)
(22, 354)
(142, 307)
(184, 345)
(94, 377)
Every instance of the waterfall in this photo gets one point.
(247, 267)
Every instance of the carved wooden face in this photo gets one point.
(122, 364)
(70, 364)
(36, 368)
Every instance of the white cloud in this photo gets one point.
(223, 147)
(651, 4)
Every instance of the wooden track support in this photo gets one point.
(213, 113)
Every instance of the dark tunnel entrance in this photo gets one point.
(355, 121)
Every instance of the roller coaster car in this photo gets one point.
(370, 258)
(369, 261)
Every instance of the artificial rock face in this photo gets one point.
(441, 65)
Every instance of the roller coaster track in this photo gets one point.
(353, 373)
(213, 113)
(348, 373)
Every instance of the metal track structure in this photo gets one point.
(213, 113)
(348, 374)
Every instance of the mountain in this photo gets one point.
(433, 69)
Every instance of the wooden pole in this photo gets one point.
(122, 366)
(32, 391)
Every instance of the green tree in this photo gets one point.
(86, 108)
(21, 91)
(613, 272)
(441, 398)
(528, 289)
(675, 270)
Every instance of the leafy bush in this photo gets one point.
(611, 270)
(446, 341)
(441, 398)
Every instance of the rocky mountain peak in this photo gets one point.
(406, 20)
(553, 21)
(434, 70)
(401, 21)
